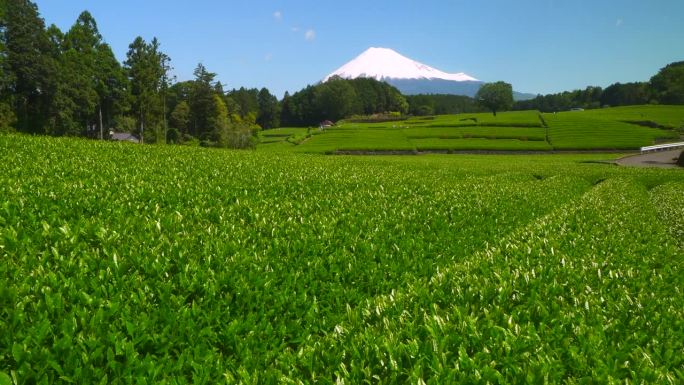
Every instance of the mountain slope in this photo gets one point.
(410, 77)
(384, 63)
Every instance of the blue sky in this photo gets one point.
(539, 46)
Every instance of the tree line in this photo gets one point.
(666, 87)
(339, 98)
(70, 83)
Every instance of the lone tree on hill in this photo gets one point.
(495, 96)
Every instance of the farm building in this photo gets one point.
(123, 137)
(326, 124)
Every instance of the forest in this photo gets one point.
(665, 87)
(71, 84)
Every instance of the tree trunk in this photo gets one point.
(142, 128)
(101, 133)
(165, 125)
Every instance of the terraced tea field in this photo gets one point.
(578, 130)
(666, 116)
(622, 128)
(140, 264)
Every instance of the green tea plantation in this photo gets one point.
(606, 129)
(129, 264)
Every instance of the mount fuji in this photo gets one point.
(408, 76)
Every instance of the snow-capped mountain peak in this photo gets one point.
(385, 64)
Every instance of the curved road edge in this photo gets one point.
(663, 159)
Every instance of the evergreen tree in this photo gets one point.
(180, 117)
(147, 69)
(92, 84)
(269, 116)
(625, 94)
(247, 101)
(28, 65)
(7, 117)
(202, 102)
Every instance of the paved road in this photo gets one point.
(664, 159)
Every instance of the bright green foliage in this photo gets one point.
(480, 144)
(283, 134)
(502, 119)
(217, 123)
(179, 265)
(622, 128)
(580, 130)
(351, 137)
(523, 133)
(665, 116)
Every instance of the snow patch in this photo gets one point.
(385, 63)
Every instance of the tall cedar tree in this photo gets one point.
(92, 84)
(269, 114)
(28, 65)
(7, 117)
(147, 69)
(202, 102)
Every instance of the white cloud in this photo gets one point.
(278, 15)
(310, 35)
(618, 22)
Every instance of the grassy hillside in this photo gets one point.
(125, 263)
(622, 128)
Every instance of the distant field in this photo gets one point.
(668, 116)
(357, 139)
(522, 133)
(480, 144)
(124, 263)
(623, 128)
(579, 130)
(286, 134)
(503, 119)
